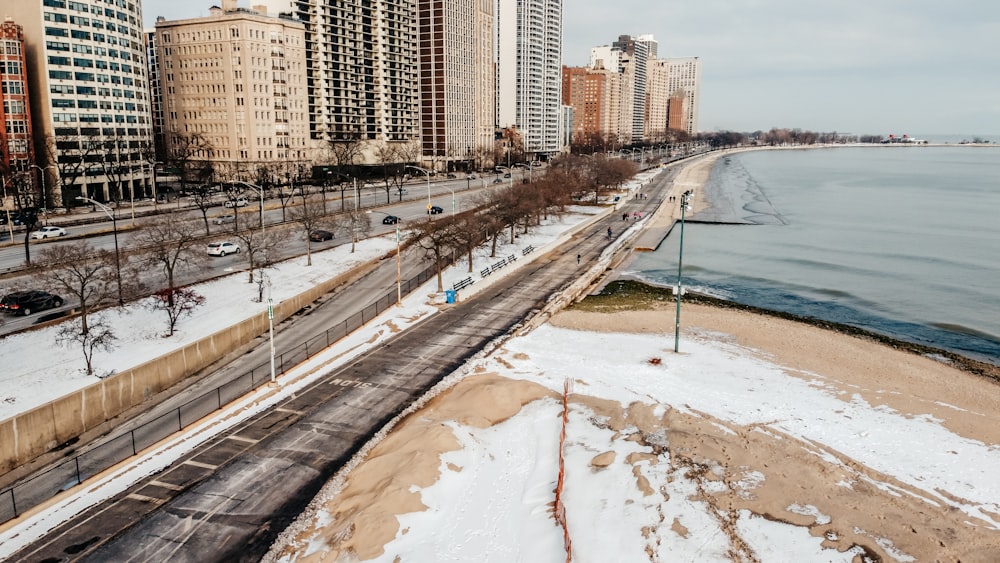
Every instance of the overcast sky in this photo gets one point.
(859, 66)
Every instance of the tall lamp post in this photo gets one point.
(41, 172)
(685, 203)
(114, 225)
(399, 263)
(428, 174)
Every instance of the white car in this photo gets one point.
(222, 249)
(238, 202)
(46, 232)
(223, 219)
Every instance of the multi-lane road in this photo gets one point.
(230, 498)
(450, 195)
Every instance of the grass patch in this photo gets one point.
(625, 295)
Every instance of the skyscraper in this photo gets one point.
(89, 97)
(684, 82)
(529, 72)
(361, 64)
(457, 83)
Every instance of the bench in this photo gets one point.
(527, 250)
(462, 284)
(485, 272)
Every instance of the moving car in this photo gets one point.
(390, 220)
(46, 232)
(222, 219)
(222, 249)
(320, 235)
(28, 302)
(238, 202)
(434, 210)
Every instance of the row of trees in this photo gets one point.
(168, 244)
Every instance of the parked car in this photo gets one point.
(28, 302)
(452, 176)
(222, 248)
(390, 220)
(434, 210)
(319, 235)
(497, 181)
(23, 218)
(507, 175)
(471, 176)
(238, 202)
(223, 219)
(46, 232)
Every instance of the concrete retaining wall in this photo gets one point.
(38, 431)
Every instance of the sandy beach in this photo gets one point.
(359, 514)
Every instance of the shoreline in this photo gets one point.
(360, 512)
(695, 176)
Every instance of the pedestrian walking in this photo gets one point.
(609, 229)
(624, 217)
(577, 259)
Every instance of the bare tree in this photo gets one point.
(80, 270)
(204, 199)
(176, 302)
(71, 156)
(468, 232)
(309, 217)
(168, 242)
(359, 224)
(437, 238)
(190, 154)
(97, 337)
(258, 248)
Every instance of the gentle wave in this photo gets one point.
(901, 242)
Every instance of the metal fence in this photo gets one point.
(73, 471)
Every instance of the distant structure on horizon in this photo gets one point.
(628, 95)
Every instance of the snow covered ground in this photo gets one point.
(812, 473)
(31, 379)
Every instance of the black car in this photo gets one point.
(434, 210)
(320, 235)
(390, 220)
(28, 302)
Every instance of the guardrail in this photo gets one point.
(73, 471)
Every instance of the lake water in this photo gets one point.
(904, 241)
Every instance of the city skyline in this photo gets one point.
(882, 68)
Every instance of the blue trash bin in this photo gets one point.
(449, 295)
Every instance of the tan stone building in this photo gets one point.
(234, 82)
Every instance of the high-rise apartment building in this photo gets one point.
(529, 72)
(635, 56)
(457, 82)
(155, 98)
(620, 101)
(16, 151)
(657, 99)
(363, 87)
(234, 93)
(595, 96)
(684, 81)
(89, 96)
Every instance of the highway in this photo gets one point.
(413, 207)
(229, 499)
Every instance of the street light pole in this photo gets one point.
(685, 199)
(427, 173)
(399, 261)
(114, 226)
